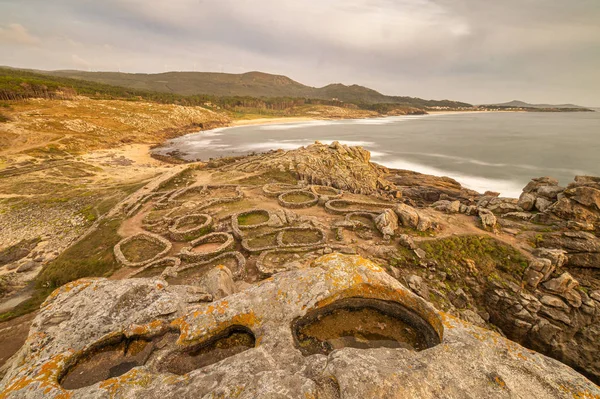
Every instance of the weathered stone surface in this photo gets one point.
(558, 257)
(526, 201)
(387, 222)
(470, 362)
(406, 241)
(587, 196)
(565, 282)
(27, 266)
(447, 206)
(418, 286)
(488, 220)
(554, 302)
(426, 189)
(218, 282)
(541, 204)
(408, 215)
(535, 184)
(583, 248)
(544, 266)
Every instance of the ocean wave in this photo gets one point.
(297, 125)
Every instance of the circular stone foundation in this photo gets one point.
(344, 206)
(276, 189)
(156, 268)
(141, 249)
(326, 191)
(291, 237)
(189, 227)
(207, 246)
(298, 199)
(252, 219)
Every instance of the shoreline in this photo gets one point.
(296, 119)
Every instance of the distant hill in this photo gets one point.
(522, 104)
(251, 84)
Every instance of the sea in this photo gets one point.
(495, 151)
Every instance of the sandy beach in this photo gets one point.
(295, 119)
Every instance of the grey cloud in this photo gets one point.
(537, 50)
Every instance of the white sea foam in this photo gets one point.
(296, 143)
(298, 125)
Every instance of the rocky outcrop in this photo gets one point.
(411, 217)
(424, 190)
(162, 324)
(582, 248)
(387, 222)
(336, 165)
(539, 194)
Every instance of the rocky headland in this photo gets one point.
(313, 273)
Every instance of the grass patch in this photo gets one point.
(90, 257)
(488, 254)
(301, 237)
(17, 251)
(270, 176)
(297, 198)
(89, 213)
(4, 118)
(181, 180)
(252, 218)
(267, 240)
(139, 250)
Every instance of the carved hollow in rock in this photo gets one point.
(207, 246)
(111, 358)
(118, 355)
(234, 340)
(140, 249)
(362, 323)
(298, 199)
(188, 227)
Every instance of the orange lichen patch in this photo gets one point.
(153, 327)
(133, 377)
(211, 326)
(409, 300)
(338, 261)
(46, 379)
(173, 379)
(81, 284)
(578, 393)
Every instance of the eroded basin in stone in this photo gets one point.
(112, 359)
(232, 341)
(362, 323)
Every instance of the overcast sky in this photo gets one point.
(472, 50)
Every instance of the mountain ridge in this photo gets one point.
(523, 104)
(252, 84)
